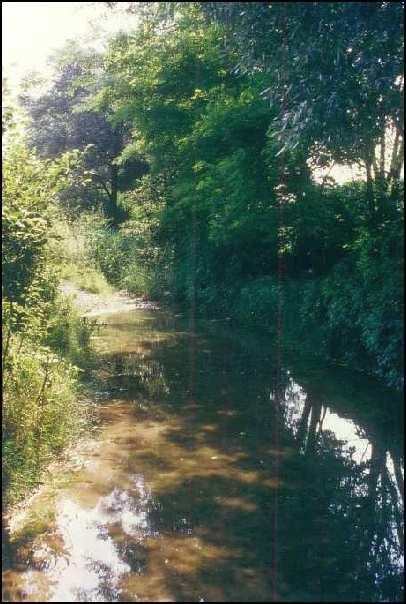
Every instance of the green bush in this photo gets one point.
(71, 250)
(43, 339)
(93, 254)
(41, 414)
(68, 334)
(352, 316)
(257, 304)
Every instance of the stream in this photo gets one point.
(212, 477)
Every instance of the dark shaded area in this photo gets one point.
(313, 523)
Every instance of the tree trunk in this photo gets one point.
(114, 185)
(398, 475)
(115, 214)
(370, 188)
(392, 170)
(396, 165)
(315, 418)
(382, 158)
(399, 162)
(304, 421)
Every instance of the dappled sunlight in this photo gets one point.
(176, 499)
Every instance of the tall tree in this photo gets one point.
(334, 75)
(62, 119)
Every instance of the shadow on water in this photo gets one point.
(213, 481)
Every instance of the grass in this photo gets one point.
(42, 409)
(88, 278)
(73, 254)
(41, 415)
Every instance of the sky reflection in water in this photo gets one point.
(189, 497)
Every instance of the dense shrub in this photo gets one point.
(257, 304)
(41, 413)
(73, 253)
(43, 339)
(43, 347)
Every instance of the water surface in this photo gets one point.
(219, 475)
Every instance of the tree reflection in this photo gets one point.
(332, 530)
(356, 502)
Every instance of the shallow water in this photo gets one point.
(217, 476)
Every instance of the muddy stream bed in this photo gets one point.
(213, 478)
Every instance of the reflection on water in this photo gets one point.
(213, 480)
(90, 568)
(364, 460)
